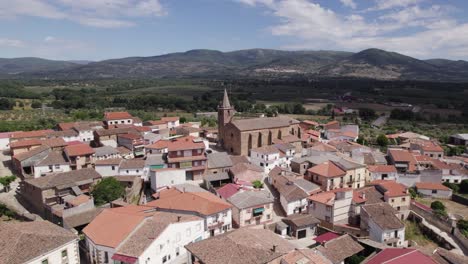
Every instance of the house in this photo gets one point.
(107, 167)
(427, 148)
(383, 224)
(25, 145)
(301, 225)
(251, 207)
(403, 160)
(106, 152)
(216, 213)
(245, 174)
(5, 140)
(140, 234)
(54, 162)
(382, 172)
(85, 132)
(37, 242)
(228, 190)
(325, 237)
(395, 194)
(340, 249)
(304, 255)
(459, 139)
(216, 180)
(108, 137)
(344, 133)
(328, 175)
(151, 138)
(158, 147)
(80, 156)
(24, 163)
(116, 118)
(133, 142)
(36, 134)
(244, 245)
(433, 189)
(332, 207)
(218, 162)
(400, 255)
(44, 192)
(133, 167)
(166, 177)
(293, 190)
(68, 135)
(187, 153)
(266, 157)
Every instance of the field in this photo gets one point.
(414, 233)
(451, 206)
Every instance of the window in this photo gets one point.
(57, 166)
(50, 167)
(434, 191)
(113, 167)
(327, 218)
(393, 200)
(138, 171)
(269, 216)
(403, 199)
(164, 259)
(198, 227)
(64, 256)
(127, 171)
(106, 257)
(177, 251)
(45, 261)
(329, 208)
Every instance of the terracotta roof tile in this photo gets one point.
(338, 249)
(31, 134)
(382, 168)
(25, 143)
(79, 150)
(400, 256)
(327, 169)
(391, 188)
(117, 115)
(432, 186)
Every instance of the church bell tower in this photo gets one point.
(225, 114)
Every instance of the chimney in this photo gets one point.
(178, 218)
(363, 196)
(274, 248)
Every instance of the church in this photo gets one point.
(238, 136)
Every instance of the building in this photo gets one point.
(403, 160)
(434, 190)
(44, 192)
(106, 152)
(305, 255)
(25, 145)
(166, 178)
(332, 207)
(427, 148)
(266, 157)
(37, 242)
(108, 167)
(327, 175)
(134, 167)
(80, 156)
(133, 142)
(54, 162)
(117, 118)
(36, 134)
(245, 174)
(382, 172)
(216, 213)
(24, 163)
(187, 153)
(294, 190)
(395, 194)
(244, 245)
(383, 224)
(400, 255)
(251, 207)
(140, 234)
(238, 136)
(218, 162)
(340, 249)
(301, 225)
(459, 139)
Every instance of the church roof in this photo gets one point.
(263, 123)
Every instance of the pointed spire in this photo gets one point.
(226, 103)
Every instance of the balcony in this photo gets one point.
(215, 225)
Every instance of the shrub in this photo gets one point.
(107, 190)
(463, 226)
(437, 205)
(440, 213)
(382, 140)
(464, 186)
(6, 181)
(455, 188)
(413, 193)
(257, 184)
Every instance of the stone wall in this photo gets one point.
(460, 199)
(461, 239)
(444, 225)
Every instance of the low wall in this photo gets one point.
(444, 225)
(461, 239)
(460, 199)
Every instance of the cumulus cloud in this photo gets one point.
(404, 26)
(349, 3)
(94, 13)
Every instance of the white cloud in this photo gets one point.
(95, 13)
(410, 29)
(387, 4)
(349, 3)
(15, 43)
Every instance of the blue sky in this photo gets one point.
(103, 29)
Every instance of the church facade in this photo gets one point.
(238, 136)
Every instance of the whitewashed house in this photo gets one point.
(266, 157)
(55, 162)
(383, 225)
(108, 167)
(166, 178)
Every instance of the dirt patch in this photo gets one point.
(451, 206)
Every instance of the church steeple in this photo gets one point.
(226, 103)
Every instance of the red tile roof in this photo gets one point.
(161, 144)
(432, 186)
(400, 155)
(185, 143)
(382, 168)
(326, 237)
(31, 134)
(327, 169)
(129, 136)
(400, 256)
(79, 150)
(25, 143)
(170, 119)
(392, 188)
(117, 115)
(228, 190)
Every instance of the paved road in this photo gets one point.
(10, 200)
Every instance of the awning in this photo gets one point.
(125, 259)
(258, 210)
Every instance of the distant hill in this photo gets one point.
(370, 63)
(30, 64)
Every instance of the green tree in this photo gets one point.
(183, 120)
(355, 259)
(6, 181)
(438, 205)
(5, 211)
(452, 186)
(107, 190)
(382, 140)
(413, 193)
(464, 186)
(463, 226)
(257, 184)
(36, 104)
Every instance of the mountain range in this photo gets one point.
(253, 63)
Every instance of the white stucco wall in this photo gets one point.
(166, 178)
(39, 170)
(55, 256)
(106, 170)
